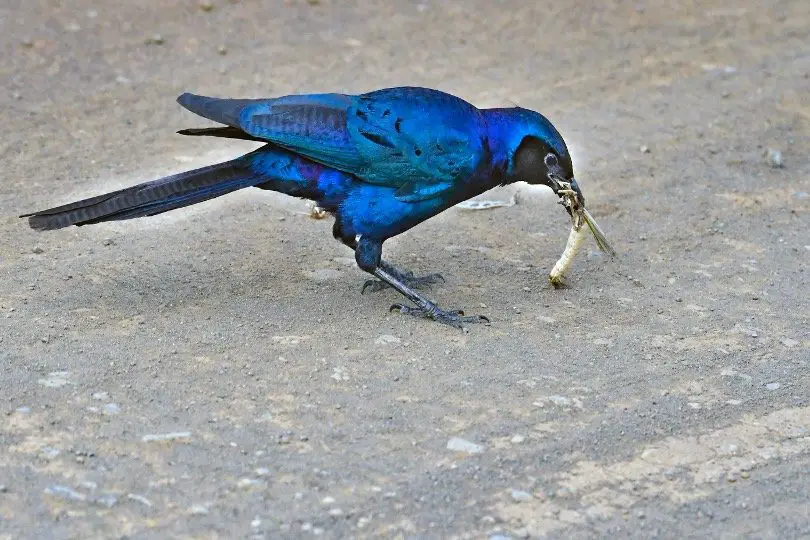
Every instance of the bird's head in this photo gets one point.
(540, 157)
(537, 154)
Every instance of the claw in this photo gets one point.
(454, 318)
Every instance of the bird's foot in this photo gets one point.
(454, 318)
(410, 280)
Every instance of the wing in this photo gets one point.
(418, 140)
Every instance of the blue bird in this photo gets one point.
(380, 163)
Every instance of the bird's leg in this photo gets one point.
(407, 277)
(368, 255)
(404, 276)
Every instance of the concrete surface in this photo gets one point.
(215, 373)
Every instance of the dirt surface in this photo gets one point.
(662, 395)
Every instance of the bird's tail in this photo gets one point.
(150, 198)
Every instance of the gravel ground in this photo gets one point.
(214, 372)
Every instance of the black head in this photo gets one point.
(537, 162)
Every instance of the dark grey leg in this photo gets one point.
(368, 255)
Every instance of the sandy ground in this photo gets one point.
(663, 395)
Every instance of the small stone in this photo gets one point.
(50, 452)
(774, 158)
(66, 493)
(324, 274)
(37, 250)
(111, 409)
(328, 500)
(247, 483)
(679, 299)
(206, 5)
(166, 437)
(789, 342)
(27, 42)
(773, 386)
(3, 488)
(521, 496)
(155, 39)
(745, 475)
(363, 522)
(198, 510)
(262, 471)
(256, 523)
(107, 500)
(108, 241)
(517, 439)
(458, 444)
(335, 512)
(100, 396)
(23, 410)
(387, 339)
(644, 149)
(499, 536)
(139, 498)
(603, 341)
(222, 50)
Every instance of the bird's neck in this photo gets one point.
(499, 127)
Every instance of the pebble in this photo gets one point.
(164, 437)
(262, 471)
(206, 5)
(773, 386)
(100, 396)
(517, 439)
(256, 523)
(56, 379)
(774, 158)
(107, 500)
(23, 410)
(458, 444)
(37, 250)
(499, 536)
(644, 149)
(603, 341)
(324, 274)
(521, 496)
(50, 452)
(246, 483)
(222, 50)
(3, 488)
(198, 510)
(111, 409)
(65, 492)
(328, 500)
(139, 498)
(387, 339)
(335, 512)
(155, 39)
(789, 342)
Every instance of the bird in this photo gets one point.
(380, 162)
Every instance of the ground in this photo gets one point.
(215, 372)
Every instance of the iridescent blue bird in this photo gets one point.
(380, 163)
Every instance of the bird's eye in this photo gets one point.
(551, 161)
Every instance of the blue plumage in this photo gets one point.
(380, 162)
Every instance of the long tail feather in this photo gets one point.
(151, 198)
(226, 132)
